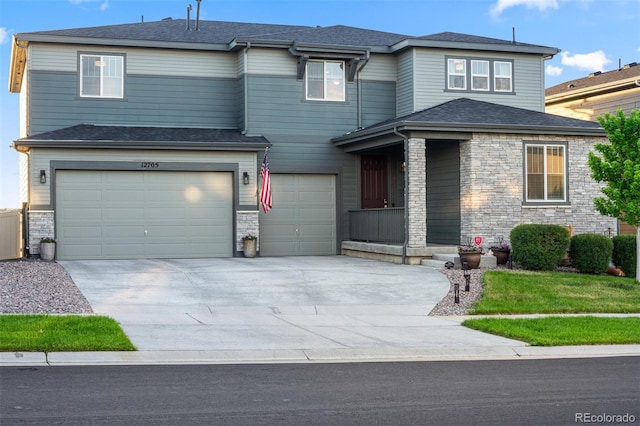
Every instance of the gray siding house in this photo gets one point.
(145, 140)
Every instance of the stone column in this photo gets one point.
(416, 169)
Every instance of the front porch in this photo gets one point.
(380, 234)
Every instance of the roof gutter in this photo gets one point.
(25, 144)
(468, 127)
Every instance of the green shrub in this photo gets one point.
(624, 254)
(591, 253)
(539, 247)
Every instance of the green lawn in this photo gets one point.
(61, 333)
(526, 292)
(560, 331)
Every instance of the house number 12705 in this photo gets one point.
(149, 165)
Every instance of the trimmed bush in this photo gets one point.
(624, 254)
(539, 247)
(591, 253)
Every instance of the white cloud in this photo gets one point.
(594, 61)
(554, 71)
(104, 4)
(4, 35)
(502, 5)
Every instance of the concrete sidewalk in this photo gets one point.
(285, 309)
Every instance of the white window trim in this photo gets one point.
(487, 76)
(450, 61)
(325, 99)
(496, 76)
(468, 74)
(546, 200)
(101, 95)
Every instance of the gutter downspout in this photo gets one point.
(359, 94)
(406, 194)
(246, 87)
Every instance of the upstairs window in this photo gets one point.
(101, 76)
(545, 172)
(502, 76)
(480, 75)
(457, 74)
(325, 80)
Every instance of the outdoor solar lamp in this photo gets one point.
(467, 276)
(456, 293)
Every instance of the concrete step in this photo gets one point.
(439, 259)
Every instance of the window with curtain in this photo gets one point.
(502, 76)
(545, 173)
(101, 76)
(457, 74)
(325, 80)
(480, 75)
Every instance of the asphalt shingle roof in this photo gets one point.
(223, 32)
(580, 84)
(469, 113)
(93, 133)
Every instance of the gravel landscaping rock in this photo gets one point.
(447, 305)
(37, 287)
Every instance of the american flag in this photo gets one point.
(265, 188)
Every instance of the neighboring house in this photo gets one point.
(595, 95)
(145, 140)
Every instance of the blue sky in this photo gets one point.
(592, 34)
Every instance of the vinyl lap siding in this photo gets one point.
(55, 57)
(378, 101)
(405, 95)
(41, 158)
(430, 80)
(149, 101)
(277, 105)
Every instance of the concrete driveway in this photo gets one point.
(329, 307)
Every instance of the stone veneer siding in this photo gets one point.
(417, 192)
(41, 225)
(492, 180)
(247, 223)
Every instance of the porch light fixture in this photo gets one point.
(43, 176)
(403, 167)
(245, 178)
(456, 293)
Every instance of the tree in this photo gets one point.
(619, 167)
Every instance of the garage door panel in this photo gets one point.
(116, 214)
(303, 218)
(126, 204)
(124, 195)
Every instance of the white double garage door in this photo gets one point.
(178, 214)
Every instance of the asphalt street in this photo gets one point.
(514, 392)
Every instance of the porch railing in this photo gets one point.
(377, 225)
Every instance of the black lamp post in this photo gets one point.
(467, 276)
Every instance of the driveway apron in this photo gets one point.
(274, 303)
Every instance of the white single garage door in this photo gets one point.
(302, 221)
(143, 214)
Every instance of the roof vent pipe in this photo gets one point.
(198, 15)
(189, 17)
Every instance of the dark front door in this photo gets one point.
(374, 182)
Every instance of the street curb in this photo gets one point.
(39, 359)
